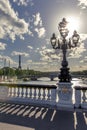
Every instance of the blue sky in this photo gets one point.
(26, 27)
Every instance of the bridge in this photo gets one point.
(50, 76)
(36, 77)
(22, 106)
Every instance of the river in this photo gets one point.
(47, 81)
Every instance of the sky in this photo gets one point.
(26, 27)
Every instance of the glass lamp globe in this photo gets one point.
(75, 38)
(53, 40)
(63, 28)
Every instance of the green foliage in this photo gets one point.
(1, 72)
(18, 72)
(25, 72)
(7, 71)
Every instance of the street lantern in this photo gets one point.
(53, 40)
(64, 44)
(75, 38)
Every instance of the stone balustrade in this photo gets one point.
(43, 95)
(29, 93)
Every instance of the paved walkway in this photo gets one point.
(20, 117)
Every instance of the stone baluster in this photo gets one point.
(26, 92)
(44, 93)
(18, 91)
(39, 93)
(22, 92)
(35, 93)
(84, 96)
(10, 92)
(30, 93)
(15, 93)
(84, 99)
(49, 94)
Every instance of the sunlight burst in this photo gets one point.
(73, 24)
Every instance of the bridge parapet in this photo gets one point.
(43, 95)
(26, 93)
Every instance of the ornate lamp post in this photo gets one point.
(63, 43)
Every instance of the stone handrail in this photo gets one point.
(43, 95)
(28, 93)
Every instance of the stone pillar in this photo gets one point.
(77, 98)
(65, 95)
(3, 92)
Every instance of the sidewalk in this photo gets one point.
(20, 117)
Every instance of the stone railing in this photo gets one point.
(44, 95)
(81, 96)
(29, 93)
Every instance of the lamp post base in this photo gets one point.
(64, 75)
(65, 93)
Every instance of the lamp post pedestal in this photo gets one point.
(64, 75)
(65, 93)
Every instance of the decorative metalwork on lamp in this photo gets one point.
(64, 44)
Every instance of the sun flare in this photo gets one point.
(73, 24)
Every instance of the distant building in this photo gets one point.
(19, 67)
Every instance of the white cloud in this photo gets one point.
(42, 66)
(2, 46)
(15, 53)
(49, 55)
(77, 51)
(29, 61)
(82, 3)
(1, 57)
(37, 50)
(30, 47)
(30, 33)
(37, 63)
(23, 2)
(37, 19)
(10, 25)
(8, 59)
(55, 55)
(47, 41)
(83, 37)
(40, 31)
